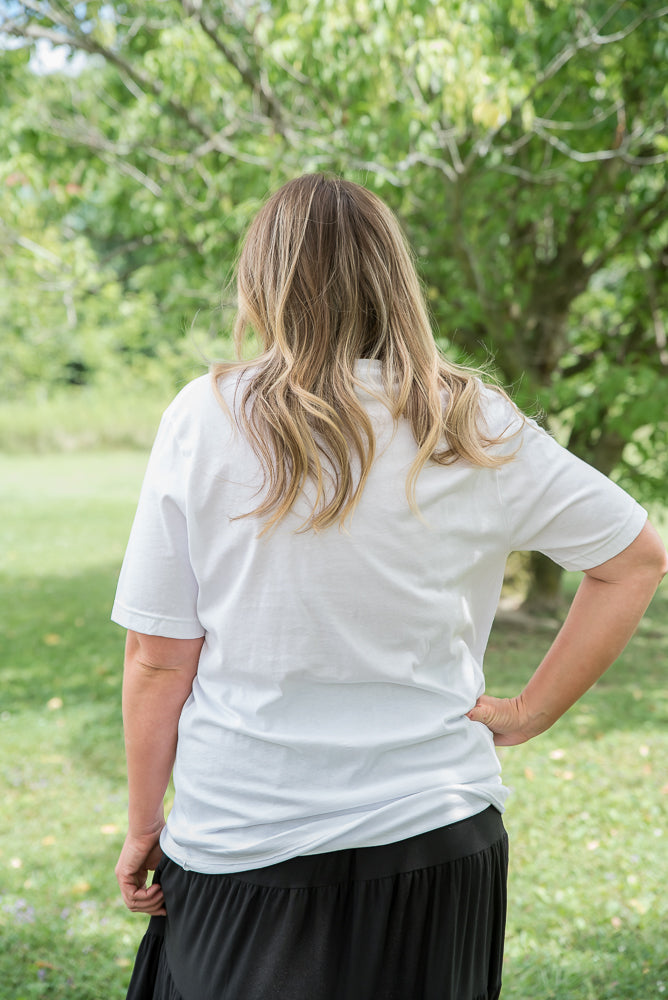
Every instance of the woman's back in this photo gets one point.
(329, 706)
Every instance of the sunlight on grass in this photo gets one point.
(587, 817)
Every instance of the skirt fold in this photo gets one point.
(151, 978)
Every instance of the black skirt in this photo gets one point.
(421, 919)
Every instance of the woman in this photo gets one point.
(309, 587)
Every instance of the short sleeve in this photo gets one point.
(157, 589)
(556, 504)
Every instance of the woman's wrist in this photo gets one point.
(531, 720)
(141, 827)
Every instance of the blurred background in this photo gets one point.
(524, 146)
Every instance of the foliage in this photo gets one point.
(123, 414)
(523, 144)
(587, 818)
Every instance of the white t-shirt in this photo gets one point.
(329, 706)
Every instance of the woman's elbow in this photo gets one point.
(644, 559)
(659, 555)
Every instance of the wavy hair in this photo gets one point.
(326, 276)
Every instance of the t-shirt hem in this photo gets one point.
(196, 860)
(169, 628)
(613, 546)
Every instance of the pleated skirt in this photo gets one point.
(420, 919)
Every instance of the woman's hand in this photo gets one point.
(606, 609)
(140, 855)
(506, 717)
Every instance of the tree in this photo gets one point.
(522, 143)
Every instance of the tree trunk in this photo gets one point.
(544, 594)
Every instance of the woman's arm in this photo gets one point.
(157, 681)
(605, 613)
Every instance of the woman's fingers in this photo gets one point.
(144, 900)
(496, 713)
(140, 854)
(151, 901)
(502, 717)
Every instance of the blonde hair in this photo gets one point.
(326, 277)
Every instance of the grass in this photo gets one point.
(587, 824)
(119, 413)
(587, 818)
(64, 518)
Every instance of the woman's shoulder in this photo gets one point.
(205, 407)
(204, 392)
(500, 416)
(196, 411)
(190, 400)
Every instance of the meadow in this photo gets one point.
(587, 819)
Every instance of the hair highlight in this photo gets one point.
(326, 277)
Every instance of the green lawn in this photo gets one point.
(587, 820)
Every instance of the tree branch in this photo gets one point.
(139, 84)
(599, 154)
(565, 126)
(85, 43)
(269, 103)
(618, 36)
(548, 178)
(428, 161)
(27, 244)
(81, 133)
(653, 214)
(256, 79)
(591, 40)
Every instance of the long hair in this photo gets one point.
(326, 277)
